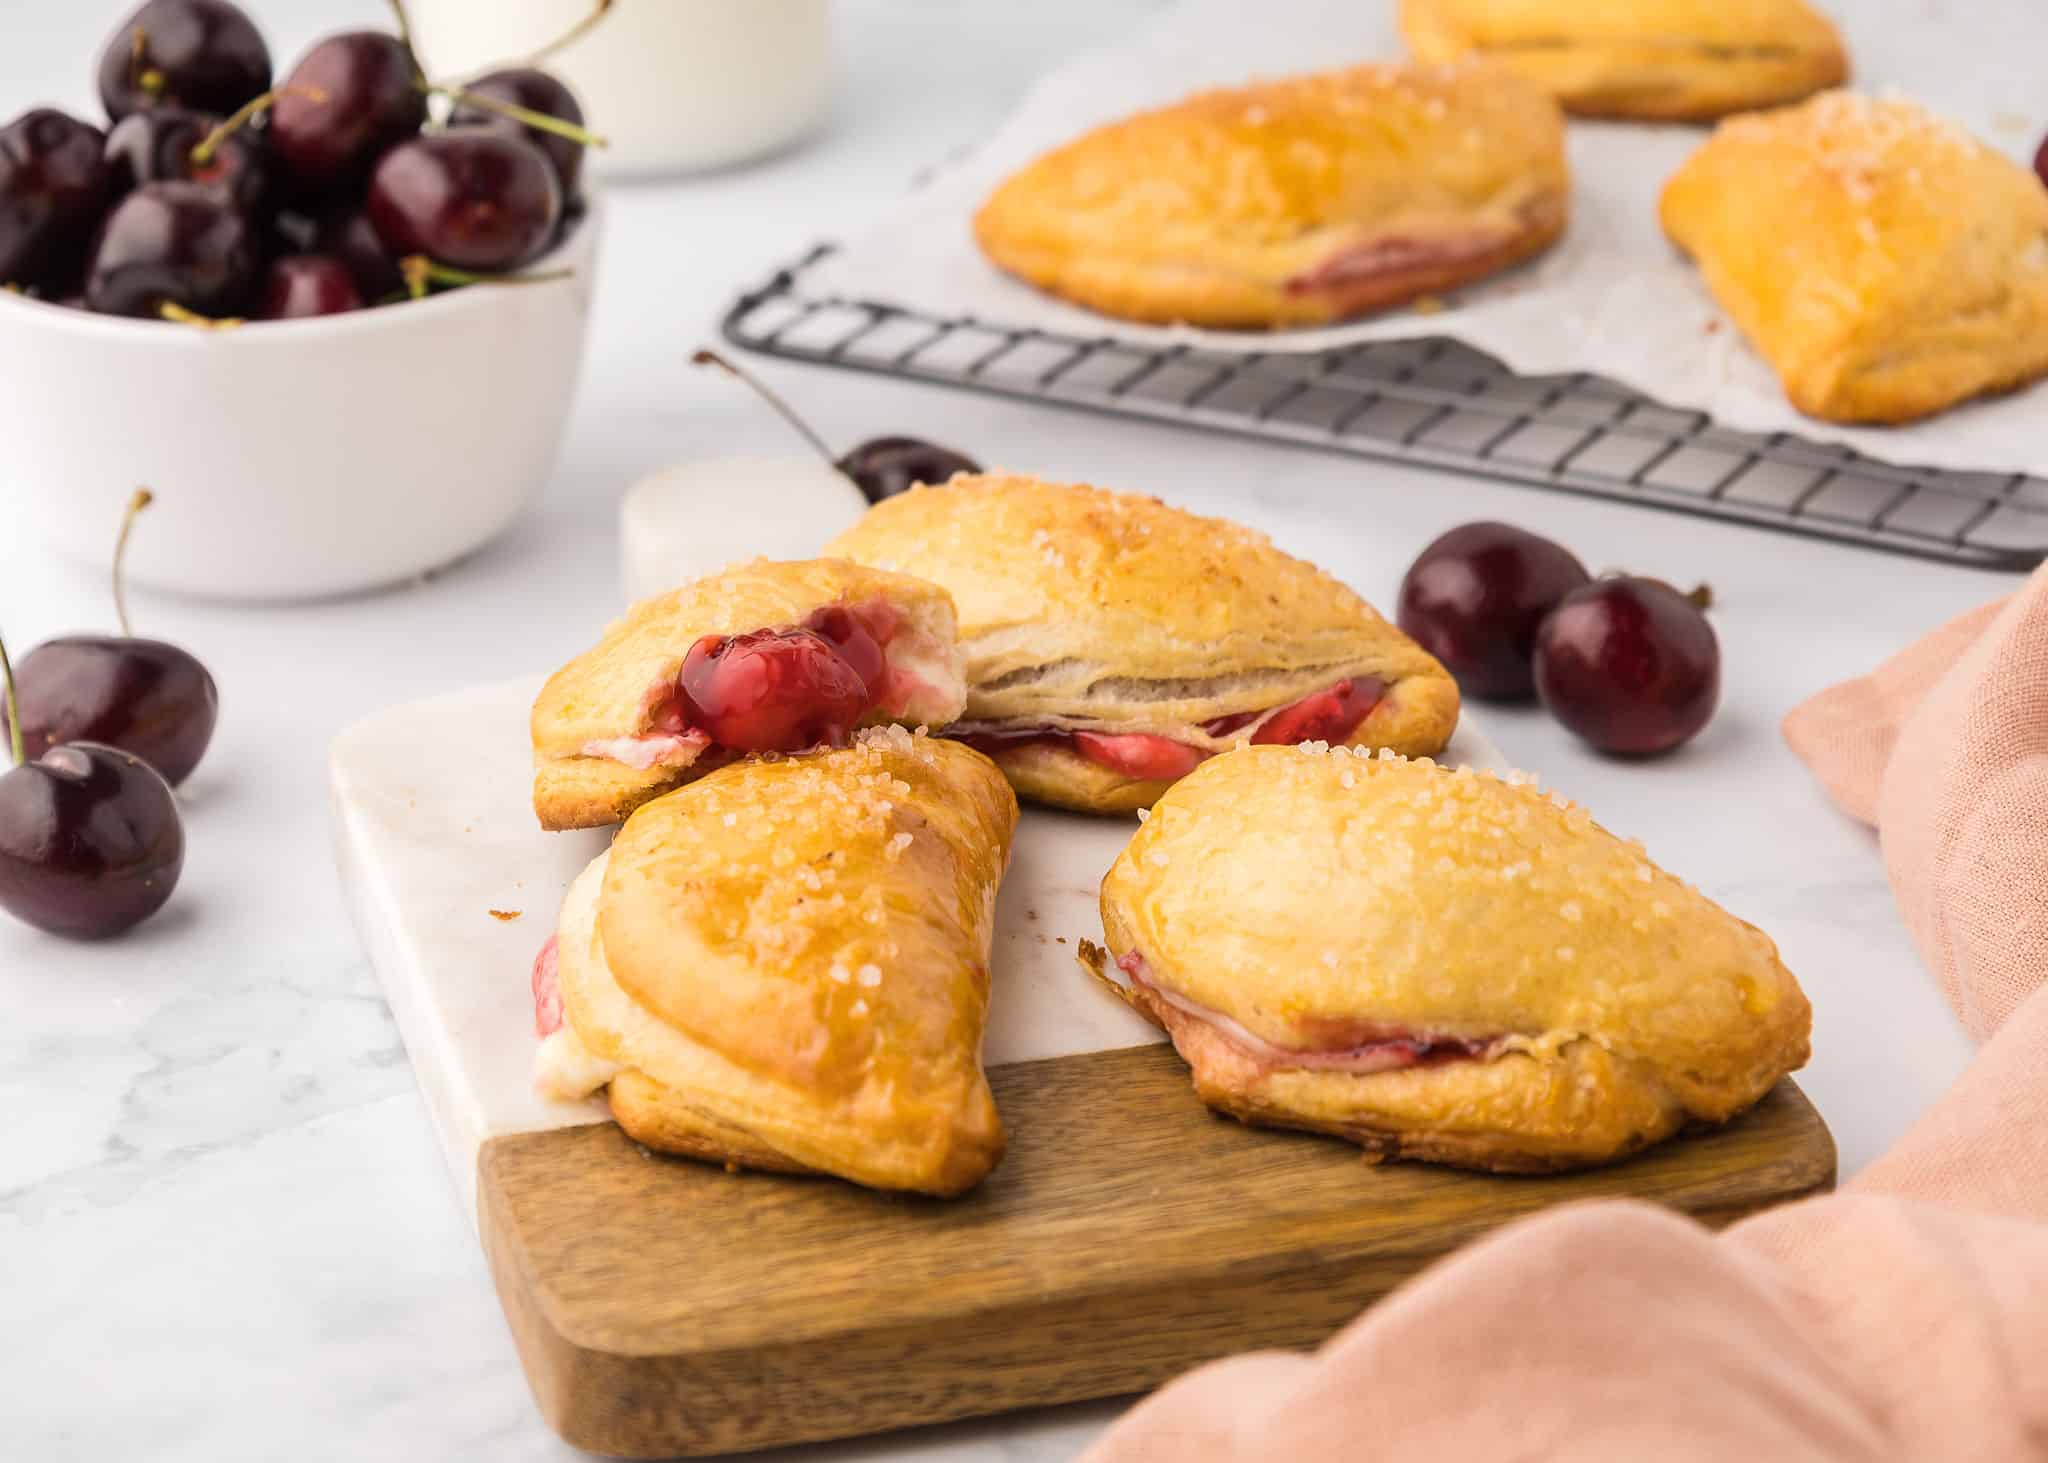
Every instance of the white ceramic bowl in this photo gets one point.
(293, 459)
(677, 86)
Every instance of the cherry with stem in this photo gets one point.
(880, 467)
(145, 697)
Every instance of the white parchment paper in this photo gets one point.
(1612, 298)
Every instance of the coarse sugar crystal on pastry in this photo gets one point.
(1438, 964)
(761, 657)
(1658, 60)
(785, 966)
(1112, 643)
(1885, 263)
(1292, 202)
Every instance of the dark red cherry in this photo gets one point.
(90, 841)
(202, 54)
(772, 691)
(141, 696)
(1327, 716)
(53, 189)
(178, 244)
(159, 146)
(301, 286)
(1475, 597)
(348, 100)
(2041, 163)
(1629, 664)
(885, 466)
(348, 235)
(474, 199)
(536, 91)
(851, 639)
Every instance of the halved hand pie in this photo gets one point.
(1113, 643)
(785, 966)
(1883, 261)
(1438, 965)
(760, 657)
(1673, 60)
(1291, 203)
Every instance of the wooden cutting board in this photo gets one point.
(663, 1307)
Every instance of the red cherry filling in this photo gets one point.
(1330, 715)
(1327, 716)
(1339, 1045)
(547, 989)
(855, 641)
(1139, 754)
(772, 691)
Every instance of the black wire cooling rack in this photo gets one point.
(1435, 403)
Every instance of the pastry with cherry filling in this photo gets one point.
(761, 657)
(1440, 965)
(1291, 203)
(785, 966)
(1113, 643)
(1658, 60)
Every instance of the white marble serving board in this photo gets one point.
(434, 832)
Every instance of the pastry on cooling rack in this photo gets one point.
(759, 657)
(1438, 965)
(1113, 643)
(1883, 261)
(1673, 60)
(785, 966)
(1294, 202)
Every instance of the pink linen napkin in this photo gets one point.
(1905, 1317)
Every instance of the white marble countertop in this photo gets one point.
(225, 1231)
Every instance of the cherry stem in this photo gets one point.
(540, 121)
(404, 26)
(1702, 596)
(141, 75)
(419, 271)
(141, 499)
(177, 314)
(204, 149)
(13, 708)
(760, 389)
(573, 34)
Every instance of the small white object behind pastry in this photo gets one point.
(691, 519)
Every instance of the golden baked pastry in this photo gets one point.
(1669, 60)
(1886, 263)
(1439, 965)
(785, 965)
(759, 657)
(1112, 643)
(1294, 202)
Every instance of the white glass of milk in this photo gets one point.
(674, 85)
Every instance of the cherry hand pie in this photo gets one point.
(1291, 203)
(1886, 263)
(760, 657)
(785, 966)
(1113, 643)
(1669, 60)
(1438, 965)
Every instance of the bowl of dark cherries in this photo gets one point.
(1630, 665)
(335, 314)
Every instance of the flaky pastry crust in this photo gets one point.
(1304, 893)
(602, 695)
(1883, 261)
(1291, 203)
(790, 962)
(1655, 60)
(1084, 609)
